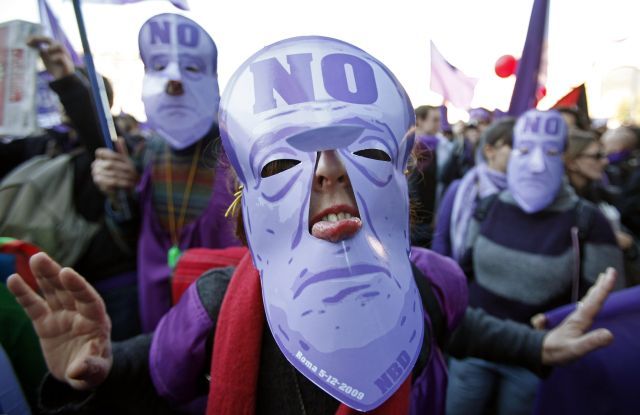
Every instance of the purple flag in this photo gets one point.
(450, 82)
(531, 63)
(52, 28)
(181, 4)
(605, 381)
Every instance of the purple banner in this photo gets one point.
(524, 92)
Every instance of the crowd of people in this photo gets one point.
(402, 264)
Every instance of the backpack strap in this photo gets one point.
(431, 305)
(585, 215)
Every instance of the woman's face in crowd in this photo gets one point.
(590, 163)
(498, 156)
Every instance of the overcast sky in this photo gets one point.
(471, 34)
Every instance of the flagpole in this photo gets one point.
(100, 99)
(103, 111)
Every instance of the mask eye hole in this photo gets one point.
(278, 166)
(373, 154)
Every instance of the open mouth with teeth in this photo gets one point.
(336, 223)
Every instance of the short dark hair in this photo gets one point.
(422, 112)
(499, 131)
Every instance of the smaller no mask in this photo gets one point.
(180, 89)
(536, 168)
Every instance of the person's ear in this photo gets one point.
(489, 152)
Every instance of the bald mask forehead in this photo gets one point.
(313, 83)
(174, 35)
(541, 126)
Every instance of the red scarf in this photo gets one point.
(236, 352)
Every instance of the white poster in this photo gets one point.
(17, 79)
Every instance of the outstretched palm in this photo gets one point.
(70, 320)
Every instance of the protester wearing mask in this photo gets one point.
(184, 188)
(460, 201)
(325, 210)
(524, 258)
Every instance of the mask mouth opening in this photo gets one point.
(336, 223)
(333, 212)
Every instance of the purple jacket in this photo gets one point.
(210, 230)
(179, 343)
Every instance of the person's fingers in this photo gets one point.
(591, 304)
(46, 271)
(35, 307)
(55, 50)
(88, 301)
(539, 321)
(107, 154)
(37, 41)
(591, 341)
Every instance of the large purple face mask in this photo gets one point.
(174, 48)
(346, 314)
(535, 170)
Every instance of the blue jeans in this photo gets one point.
(473, 383)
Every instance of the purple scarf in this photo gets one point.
(478, 183)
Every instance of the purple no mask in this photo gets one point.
(536, 168)
(175, 48)
(348, 314)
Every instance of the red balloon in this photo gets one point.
(506, 66)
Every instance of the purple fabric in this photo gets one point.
(618, 156)
(442, 235)
(606, 381)
(178, 350)
(450, 287)
(524, 91)
(444, 119)
(450, 82)
(179, 342)
(52, 26)
(477, 184)
(181, 4)
(210, 230)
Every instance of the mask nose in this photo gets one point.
(174, 85)
(536, 163)
(330, 171)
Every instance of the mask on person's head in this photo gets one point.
(175, 48)
(347, 315)
(535, 170)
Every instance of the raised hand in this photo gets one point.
(71, 322)
(55, 57)
(570, 340)
(113, 171)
